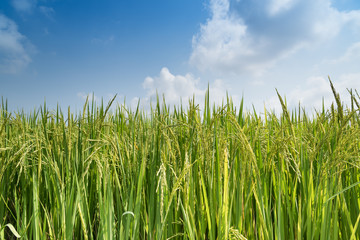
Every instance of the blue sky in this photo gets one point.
(64, 50)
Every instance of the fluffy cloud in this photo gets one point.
(13, 54)
(173, 87)
(176, 87)
(249, 36)
(351, 54)
(277, 6)
(317, 89)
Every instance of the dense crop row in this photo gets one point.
(219, 173)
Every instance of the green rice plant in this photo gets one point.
(217, 172)
(12, 229)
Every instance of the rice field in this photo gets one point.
(180, 173)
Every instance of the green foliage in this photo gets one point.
(216, 173)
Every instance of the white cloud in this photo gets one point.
(250, 36)
(13, 54)
(278, 6)
(351, 54)
(315, 90)
(23, 5)
(176, 87)
(173, 87)
(352, 17)
(347, 81)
